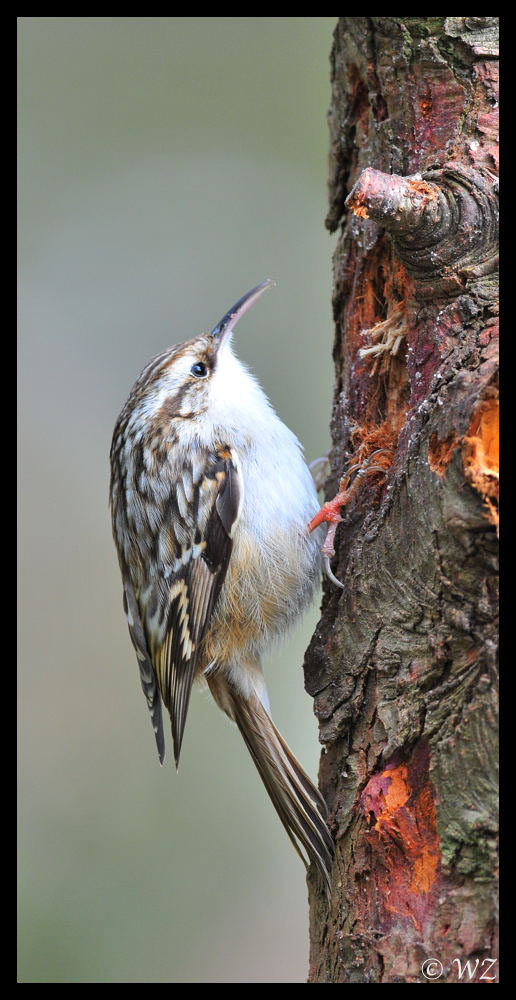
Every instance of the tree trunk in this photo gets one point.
(402, 665)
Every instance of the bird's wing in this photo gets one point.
(194, 546)
(147, 675)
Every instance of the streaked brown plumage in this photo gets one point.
(210, 500)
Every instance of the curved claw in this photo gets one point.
(366, 469)
(379, 451)
(319, 469)
(323, 460)
(327, 572)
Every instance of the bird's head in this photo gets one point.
(196, 376)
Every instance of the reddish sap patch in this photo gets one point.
(399, 804)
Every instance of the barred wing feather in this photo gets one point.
(176, 607)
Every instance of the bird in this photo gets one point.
(210, 500)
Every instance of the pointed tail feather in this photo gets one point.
(178, 706)
(300, 806)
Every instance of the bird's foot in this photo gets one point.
(330, 511)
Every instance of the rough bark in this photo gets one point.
(402, 666)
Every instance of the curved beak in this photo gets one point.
(225, 327)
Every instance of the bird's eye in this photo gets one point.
(199, 369)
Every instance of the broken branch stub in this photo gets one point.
(443, 223)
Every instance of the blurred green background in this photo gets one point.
(166, 165)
